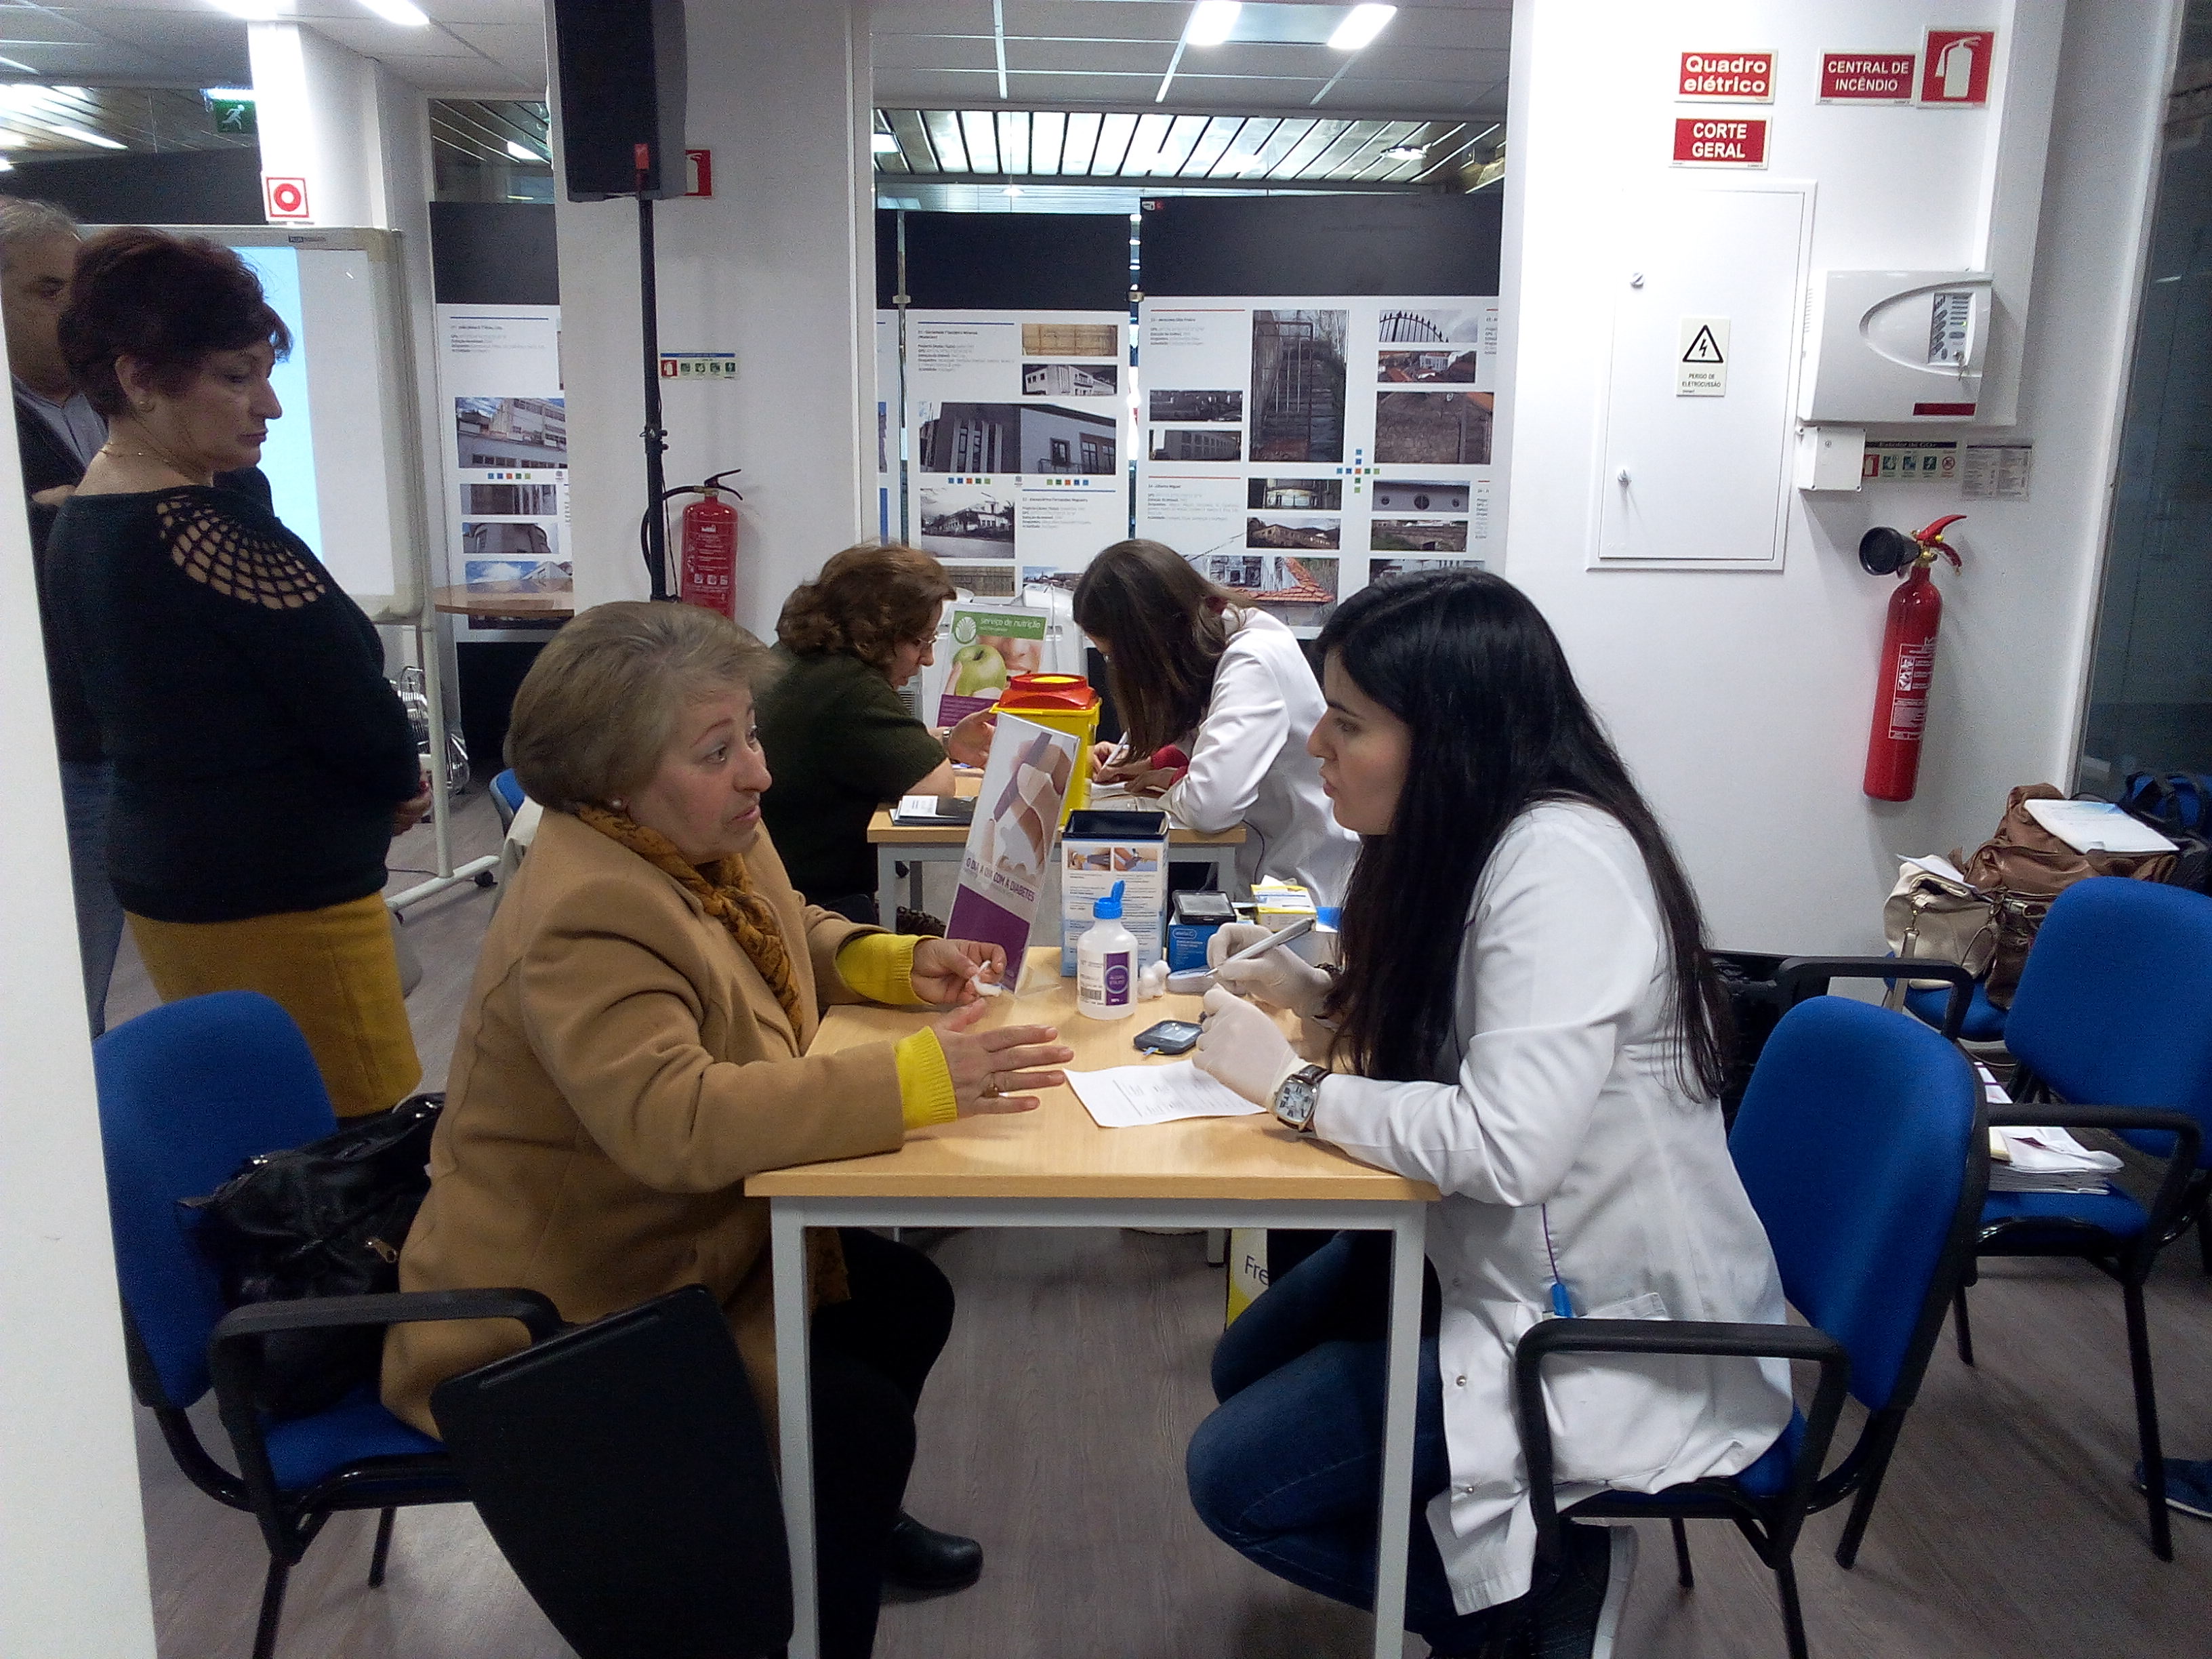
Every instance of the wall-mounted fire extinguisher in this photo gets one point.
(707, 544)
(1908, 652)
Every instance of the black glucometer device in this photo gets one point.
(1170, 1036)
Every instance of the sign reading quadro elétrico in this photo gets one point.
(990, 646)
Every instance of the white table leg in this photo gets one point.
(794, 1412)
(887, 886)
(1394, 1522)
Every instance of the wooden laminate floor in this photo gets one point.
(1054, 1430)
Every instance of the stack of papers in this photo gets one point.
(913, 809)
(1125, 1097)
(2040, 1160)
(2097, 826)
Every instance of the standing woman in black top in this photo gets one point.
(263, 764)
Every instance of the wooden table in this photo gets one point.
(1055, 1168)
(506, 607)
(916, 845)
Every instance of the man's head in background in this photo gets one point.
(38, 250)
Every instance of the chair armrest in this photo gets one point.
(234, 1360)
(1799, 1344)
(528, 1307)
(1800, 977)
(2180, 1165)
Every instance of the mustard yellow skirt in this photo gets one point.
(333, 970)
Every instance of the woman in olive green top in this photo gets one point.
(839, 740)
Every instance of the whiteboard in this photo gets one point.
(1691, 480)
(343, 464)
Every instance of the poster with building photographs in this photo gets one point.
(1296, 449)
(1018, 427)
(507, 465)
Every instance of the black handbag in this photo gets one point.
(327, 1219)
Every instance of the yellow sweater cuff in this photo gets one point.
(925, 1082)
(880, 967)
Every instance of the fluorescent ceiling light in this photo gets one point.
(882, 144)
(6, 166)
(1013, 190)
(1405, 152)
(1361, 28)
(522, 152)
(10, 63)
(400, 12)
(1211, 21)
(228, 95)
(80, 134)
(253, 11)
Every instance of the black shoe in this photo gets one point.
(919, 1558)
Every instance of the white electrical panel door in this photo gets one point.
(1696, 458)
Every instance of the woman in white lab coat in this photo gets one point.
(1526, 1017)
(1231, 689)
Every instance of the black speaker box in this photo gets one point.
(621, 70)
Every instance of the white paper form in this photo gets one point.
(1125, 1097)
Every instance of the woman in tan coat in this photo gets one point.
(634, 1047)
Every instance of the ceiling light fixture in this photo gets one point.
(398, 11)
(228, 95)
(81, 134)
(1405, 153)
(1360, 28)
(1211, 21)
(884, 144)
(522, 152)
(1014, 191)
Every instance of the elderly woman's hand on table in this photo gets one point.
(985, 1065)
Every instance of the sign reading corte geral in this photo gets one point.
(1703, 141)
(1735, 78)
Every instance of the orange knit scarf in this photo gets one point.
(725, 889)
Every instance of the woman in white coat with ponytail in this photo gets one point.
(1229, 688)
(1525, 1016)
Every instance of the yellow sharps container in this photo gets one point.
(1066, 702)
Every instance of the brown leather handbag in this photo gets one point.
(2024, 866)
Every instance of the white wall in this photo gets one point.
(318, 111)
(1742, 701)
(779, 266)
(72, 1545)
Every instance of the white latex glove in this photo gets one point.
(1280, 978)
(1240, 1047)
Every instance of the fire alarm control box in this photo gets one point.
(1895, 346)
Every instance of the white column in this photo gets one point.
(72, 1543)
(320, 111)
(779, 266)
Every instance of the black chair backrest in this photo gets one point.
(624, 1471)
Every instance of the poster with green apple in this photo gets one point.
(990, 646)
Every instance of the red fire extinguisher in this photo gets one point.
(1908, 652)
(707, 548)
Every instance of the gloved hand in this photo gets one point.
(1241, 1047)
(1280, 978)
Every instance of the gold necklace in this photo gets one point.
(154, 452)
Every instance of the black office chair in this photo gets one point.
(1862, 1142)
(187, 1094)
(623, 1470)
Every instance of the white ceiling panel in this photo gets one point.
(372, 38)
(1089, 57)
(1077, 20)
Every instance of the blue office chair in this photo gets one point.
(187, 1094)
(1860, 1141)
(505, 797)
(2114, 1007)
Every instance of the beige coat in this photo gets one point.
(622, 1068)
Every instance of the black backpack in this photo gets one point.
(327, 1219)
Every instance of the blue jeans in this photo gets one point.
(1287, 1470)
(86, 786)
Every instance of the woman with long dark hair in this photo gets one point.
(1524, 1016)
(1231, 688)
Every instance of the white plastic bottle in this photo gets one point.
(1106, 961)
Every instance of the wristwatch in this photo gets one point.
(1298, 1095)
